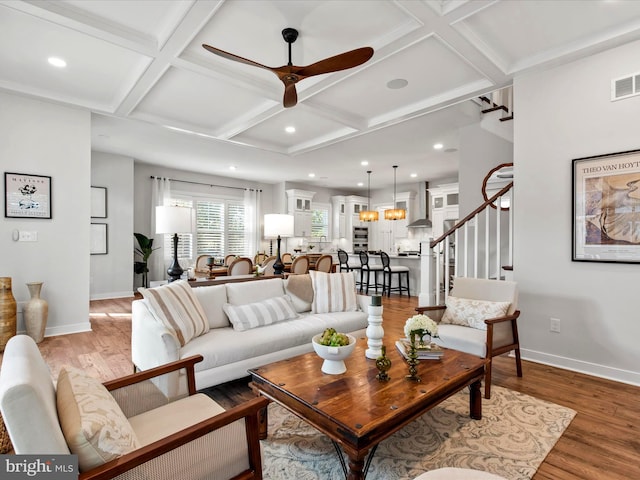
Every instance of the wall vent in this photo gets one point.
(625, 87)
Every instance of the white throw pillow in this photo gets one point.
(241, 293)
(258, 314)
(91, 420)
(176, 306)
(212, 298)
(472, 313)
(333, 292)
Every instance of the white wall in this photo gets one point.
(112, 274)
(47, 139)
(563, 114)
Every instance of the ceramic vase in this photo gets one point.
(35, 312)
(8, 312)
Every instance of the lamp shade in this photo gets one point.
(278, 224)
(172, 219)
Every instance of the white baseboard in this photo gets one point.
(105, 296)
(65, 330)
(594, 369)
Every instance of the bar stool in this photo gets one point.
(388, 271)
(343, 259)
(365, 267)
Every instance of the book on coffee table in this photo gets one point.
(424, 352)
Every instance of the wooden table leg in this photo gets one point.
(356, 468)
(475, 401)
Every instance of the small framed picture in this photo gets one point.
(27, 196)
(99, 239)
(606, 208)
(98, 202)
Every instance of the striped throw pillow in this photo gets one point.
(333, 292)
(177, 307)
(258, 314)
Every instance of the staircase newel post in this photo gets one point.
(427, 278)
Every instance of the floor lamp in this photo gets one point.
(278, 226)
(174, 220)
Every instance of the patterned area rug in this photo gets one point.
(515, 435)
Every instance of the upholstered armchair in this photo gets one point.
(479, 317)
(125, 428)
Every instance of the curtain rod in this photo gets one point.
(208, 184)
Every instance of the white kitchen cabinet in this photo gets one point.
(299, 205)
(339, 221)
(444, 206)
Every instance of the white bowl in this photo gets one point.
(333, 356)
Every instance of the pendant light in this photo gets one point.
(369, 215)
(395, 213)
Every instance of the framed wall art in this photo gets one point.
(27, 196)
(99, 239)
(98, 202)
(606, 208)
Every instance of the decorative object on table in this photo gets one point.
(431, 351)
(383, 364)
(369, 215)
(291, 74)
(333, 348)
(144, 249)
(259, 270)
(416, 329)
(27, 196)
(8, 311)
(395, 213)
(99, 239)
(35, 312)
(211, 262)
(374, 331)
(98, 202)
(174, 219)
(278, 226)
(606, 208)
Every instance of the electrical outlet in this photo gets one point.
(554, 325)
(27, 236)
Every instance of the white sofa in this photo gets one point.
(229, 353)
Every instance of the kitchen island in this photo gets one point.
(411, 261)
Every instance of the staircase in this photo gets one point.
(480, 246)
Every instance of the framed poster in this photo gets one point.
(99, 239)
(606, 208)
(27, 196)
(98, 202)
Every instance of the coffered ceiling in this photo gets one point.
(158, 96)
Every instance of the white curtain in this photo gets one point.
(160, 195)
(252, 201)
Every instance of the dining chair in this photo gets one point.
(300, 265)
(240, 266)
(324, 264)
(268, 266)
(201, 264)
(286, 257)
(229, 258)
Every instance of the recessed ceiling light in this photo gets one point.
(364, 162)
(232, 167)
(414, 175)
(451, 150)
(438, 146)
(57, 62)
(312, 175)
(290, 129)
(360, 184)
(397, 83)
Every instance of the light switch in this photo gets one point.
(28, 236)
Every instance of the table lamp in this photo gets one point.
(173, 219)
(278, 226)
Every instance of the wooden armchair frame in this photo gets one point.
(491, 351)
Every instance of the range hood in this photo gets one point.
(423, 200)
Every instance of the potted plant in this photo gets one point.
(144, 249)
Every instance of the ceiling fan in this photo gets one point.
(290, 74)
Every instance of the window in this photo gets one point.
(320, 222)
(219, 229)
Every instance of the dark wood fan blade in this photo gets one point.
(343, 61)
(236, 58)
(290, 95)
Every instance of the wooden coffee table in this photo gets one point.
(357, 411)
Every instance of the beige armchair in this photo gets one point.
(149, 436)
(487, 336)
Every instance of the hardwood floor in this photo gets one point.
(602, 442)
